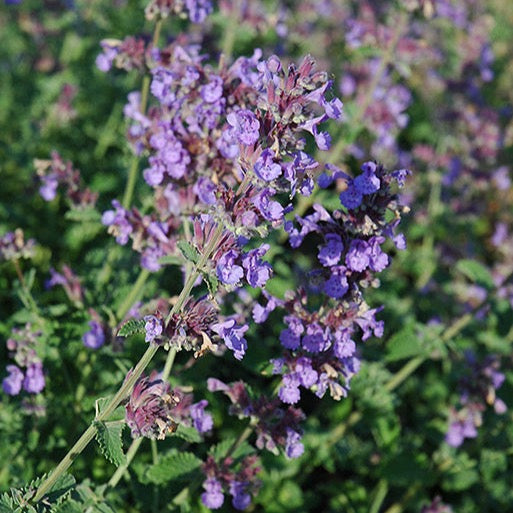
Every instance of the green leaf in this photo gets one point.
(220, 450)
(132, 327)
(212, 283)
(109, 440)
(170, 260)
(404, 344)
(69, 506)
(187, 433)
(475, 271)
(189, 251)
(101, 404)
(172, 466)
(83, 215)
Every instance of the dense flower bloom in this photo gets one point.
(149, 411)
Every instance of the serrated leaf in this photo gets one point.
(189, 434)
(69, 506)
(101, 404)
(220, 450)
(6, 504)
(189, 251)
(173, 466)
(475, 271)
(212, 283)
(132, 327)
(108, 437)
(62, 486)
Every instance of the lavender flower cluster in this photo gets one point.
(478, 389)
(27, 373)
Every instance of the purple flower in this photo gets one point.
(266, 168)
(257, 272)
(34, 380)
(315, 339)
(213, 497)
(213, 91)
(11, 385)
(48, 189)
(289, 392)
(200, 420)
(330, 253)
(378, 260)
(367, 182)
(106, 58)
(460, 430)
(293, 446)
(233, 336)
(358, 255)
(227, 270)
(198, 9)
(306, 375)
(153, 328)
(344, 346)
(245, 126)
(351, 198)
(336, 286)
(94, 338)
(205, 189)
(241, 498)
(270, 210)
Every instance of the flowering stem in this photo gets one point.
(130, 454)
(129, 382)
(132, 172)
(27, 296)
(379, 496)
(338, 149)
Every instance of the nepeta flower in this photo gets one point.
(241, 498)
(266, 168)
(200, 420)
(213, 497)
(34, 381)
(11, 385)
(293, 446)
(227, 271)
(153, 328)
(245, 126)
(95, 337)
(149, 411)
(233, 336)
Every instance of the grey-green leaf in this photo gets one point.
(189, 251)
(109, 440)
(132, 327)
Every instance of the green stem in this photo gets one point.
(229, 32)
(88, 435)
(379, 496)
(133, 295)
(27, 294)
(132, 172)
(132, 451)
(337, 150)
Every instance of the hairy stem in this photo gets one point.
(133, 295)
(129, 382)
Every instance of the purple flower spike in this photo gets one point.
(153, 328)
(34, 380)
(213, 497)
(11, 385)
(94, 338)
(241, 498)
(245, 126)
